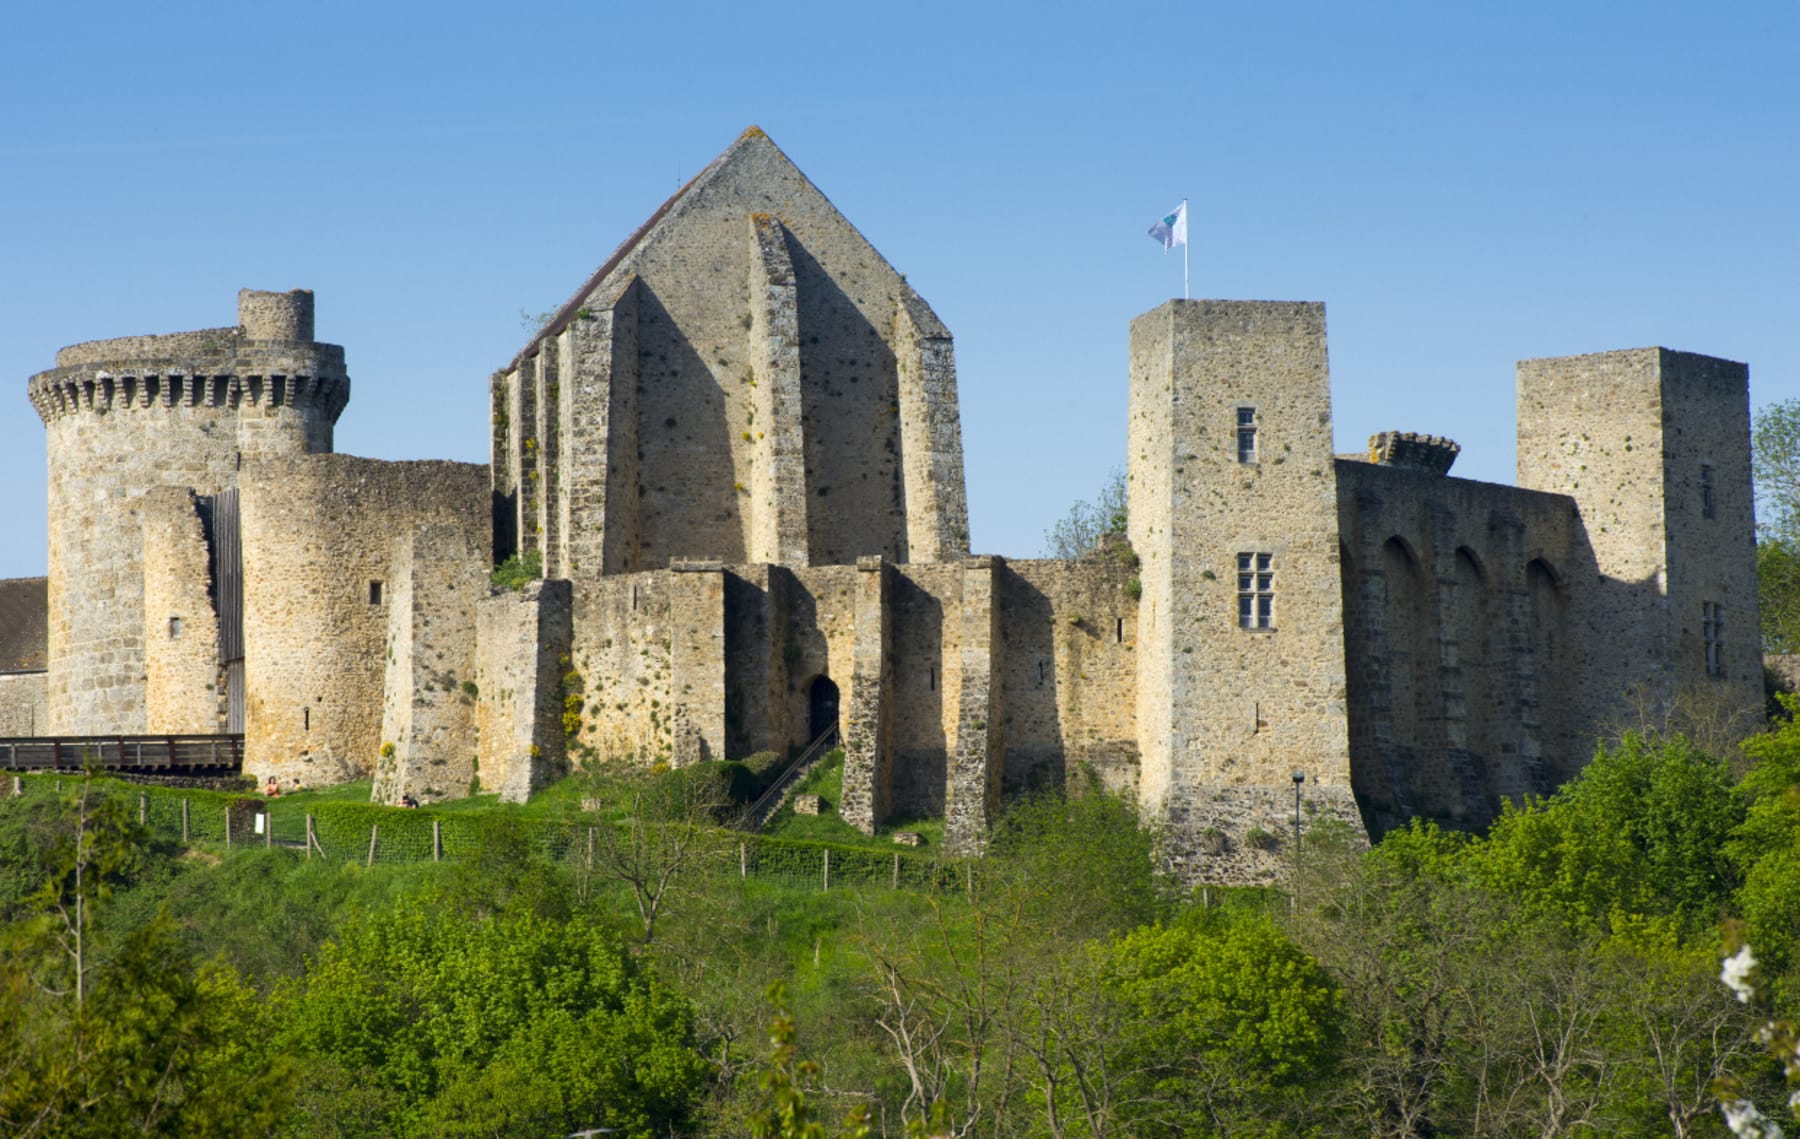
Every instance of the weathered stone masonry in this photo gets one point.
(737, 451)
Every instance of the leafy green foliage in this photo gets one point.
(519, 570)
(1641, 831)
(1087, 524)
(1224, 1017)
(512, 1025)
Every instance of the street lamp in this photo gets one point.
(1299, 778)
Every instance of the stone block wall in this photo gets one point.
(522, 655)
(1071, 630)
(439, 575)
(1454, 610)
(183, 680)
(320, 535)
(621, 650)
(24, 703)
(1630, 436)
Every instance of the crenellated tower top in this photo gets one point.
(269, 361)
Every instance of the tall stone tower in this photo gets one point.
(136, 428)
(1233, 511)
(1653, 446)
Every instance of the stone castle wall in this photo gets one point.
(183, 682)
(1629, 436)
(1455, 611)
(1071, 632)
(24, 703)
(440, 576)
(320, 535)
(521, 660)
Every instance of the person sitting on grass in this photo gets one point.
(272, 788)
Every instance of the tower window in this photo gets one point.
(174, 627)
(1246, 434)
(374, 593)
(1256, 591)
(1712, 632)
(1706, 490)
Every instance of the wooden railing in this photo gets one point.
(174, 754)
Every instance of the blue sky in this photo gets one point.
(1462, 185)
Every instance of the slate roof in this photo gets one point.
(24, 624)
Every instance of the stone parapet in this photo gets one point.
(1430, 454)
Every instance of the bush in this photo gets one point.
(517, 571)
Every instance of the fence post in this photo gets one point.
(309, 836)
(227, 828)
(827, 885)
(372, 829)
(184, 819)
(743, 863)
(437, 840)
(590, 851)
(896, 871)
(18, 787)
(143, 809)
(268, 828)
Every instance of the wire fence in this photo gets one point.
(369, 833)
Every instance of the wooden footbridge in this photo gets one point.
(127, 755)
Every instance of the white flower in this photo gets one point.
(1736, 974)
(1748, 1123)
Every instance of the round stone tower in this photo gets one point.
(124, 417)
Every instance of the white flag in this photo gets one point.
(1172, 230)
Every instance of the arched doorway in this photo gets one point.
(821, 707)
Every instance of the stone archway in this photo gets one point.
(821, 707)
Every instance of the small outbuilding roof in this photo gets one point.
(24, 624)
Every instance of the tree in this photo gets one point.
(671, 833)
(512, 1025)
(1083, 530)
(1227, 1020)
(1640, 832)
(1775, 464)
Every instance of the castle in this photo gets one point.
(736, 454)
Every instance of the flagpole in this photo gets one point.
(1184, 254)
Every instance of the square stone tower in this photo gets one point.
(1653, 447)
(1233, 511)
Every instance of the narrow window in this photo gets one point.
(306, 719)
(1256, 591)
(1119, 631)
(1712, 632)
(1040, 674)
(174, 627)
(931, 683)
(1706, 490)
(374, 593)
(1246, 434)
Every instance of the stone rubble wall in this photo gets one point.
(440, 575)
(1455, 614)
(522, 654)
(24, 703)
(320, 534)
(183, 679)
(1071, 631)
